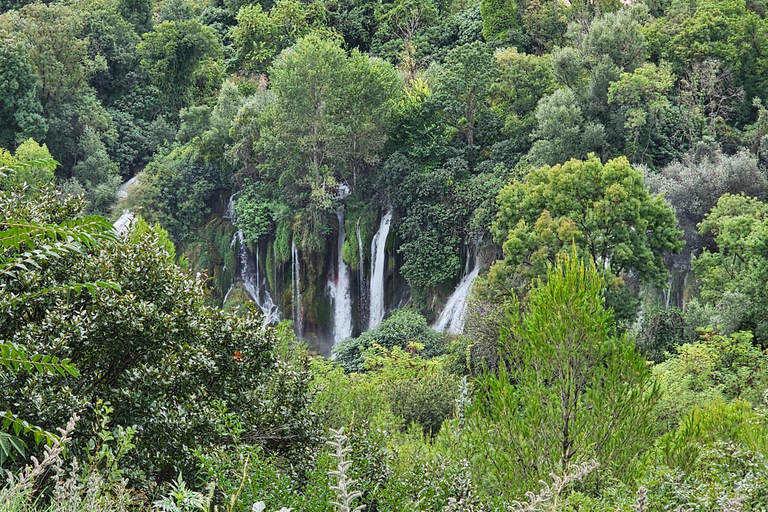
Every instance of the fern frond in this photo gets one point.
(38, 162)
(84, 230)
(9, 443)
(14, 358)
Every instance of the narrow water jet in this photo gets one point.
(362, 284)
(378, 254)
(255, 284)
(296, 290)
(453, 316)
(341, 294)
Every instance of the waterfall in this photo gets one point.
(296, 289)
(341, 294)
(362, 286)
(122, 224)
(256, 285)
(451, 319)
(376, 314)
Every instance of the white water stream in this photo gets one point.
(378, 255)
(453, 316)
(296, 290)
(341, 294)
(256, 285)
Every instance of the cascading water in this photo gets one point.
(451, 320)
(256, 285)
(126, 219)
(341, 294)
(296, 290)
(362, 284)
(376, 312)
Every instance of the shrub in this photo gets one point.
(403, 327)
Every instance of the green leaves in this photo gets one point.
(566, 391)
(12, 444)
(84, 230)
(15, 358)
(602, 210)
(740, 227)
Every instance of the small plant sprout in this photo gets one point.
(546, 499)
(344, 489)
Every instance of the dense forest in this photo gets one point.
(383, 255)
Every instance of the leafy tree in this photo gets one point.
(176, 191)
(739, 225)
(138, 13)
(403, 19)
(419, 390)
(569, 391)
(417, 132)
(714, 367)
(113, 39)
(96, 173)
(177, 54)
(562, 132)
(149, 345)
(29, 167)
(437, 213)
(20, 108)
(464, 87)
(643, 96)
(59, 54)
(523, 81)
(326, 125)
(260, 36)
(501, 20)
(604, 211)
(32, 244)
(694, 185)
(721, 30)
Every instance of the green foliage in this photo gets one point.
(20, 107)
(176, 191)
(726, 31)
(260, 36)
(716, 367)
(603, 211)
(523, 81)
(562, 131)
(150, 345)
(739, 225)
(32, 167)
(501, 20)
(694, 185)
(643, 96)
(403, 327)
(661, 332)
(464, 87)
(324, 128)
(569, 391)
(177, 54)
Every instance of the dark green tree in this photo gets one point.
(465, 86)
(180, 60)
(734, 278)
(20, 109)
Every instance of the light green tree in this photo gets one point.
(567, 391)
(739, 270)
(604, 211)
